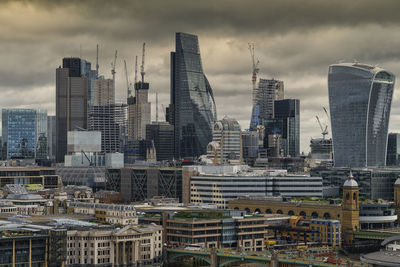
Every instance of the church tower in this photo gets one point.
(351, 211)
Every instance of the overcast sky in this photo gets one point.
(295, 41)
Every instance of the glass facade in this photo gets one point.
(393, 150)
(21, 129)
(192, 99)
(360, 98)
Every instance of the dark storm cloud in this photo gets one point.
(295, 42)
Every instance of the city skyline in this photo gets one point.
(295, 43)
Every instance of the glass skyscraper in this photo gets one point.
(21, 129)
(360, 98)
(193, 110)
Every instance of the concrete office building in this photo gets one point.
(23, 131)
(393, 150)
(71, 102)
(104, 92)
(162, 135)
(226, 144)
(219, 184)
(360, 98)
(192, 109)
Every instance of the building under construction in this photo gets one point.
(139, 107)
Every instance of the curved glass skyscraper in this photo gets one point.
(192, 110)
(360, 97)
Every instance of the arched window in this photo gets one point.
(291, 213)
(268, 211)
(347, 196)
(279, 211)
(303, 213)
(236, 208)
(314, 215)
(247, 210)
(327, 215)
(258, 211)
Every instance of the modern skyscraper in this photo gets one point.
(21, 131)
(267, 92)
(104, 92)
(360, 98)
(288, 112)
(110, 120)
(91, 75)
(71, 102)
(393, 150)
(162, 135)
(226, 144)
(192, 99)
(51, 137)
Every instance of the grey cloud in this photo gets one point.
(295, 42)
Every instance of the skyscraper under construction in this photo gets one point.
(139, 107)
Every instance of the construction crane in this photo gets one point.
(97, 61)
(113, 68)
(136, 70)
(128, 84)
(324, 131)
(255, 70)
(142, 66)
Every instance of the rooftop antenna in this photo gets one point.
(142, 66)
(97, 61)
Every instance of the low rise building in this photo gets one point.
(27, 204)
(220, 184)
(106, 213)
(220, 229)
(132, 245)
(44, 176)
(312, 231)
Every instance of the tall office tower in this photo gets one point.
(110, 120)
(360, 98)
(22, 129)
(226, 144)
(162, 135)
(192, 99)
(287, 120)
(267, 92)
(104, 92)
(51, 137)
(393, 150)
(91, 75)
(71, 103)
